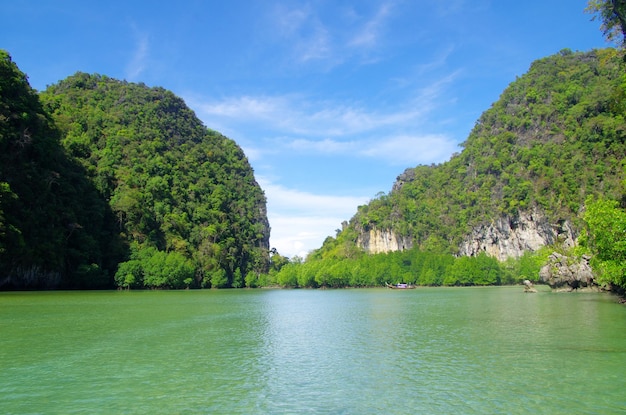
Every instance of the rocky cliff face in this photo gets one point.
(504, 238)
(512, 236)
(377, 241)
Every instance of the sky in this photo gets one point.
(330, 100)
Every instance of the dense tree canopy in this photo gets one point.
(55, 229)
(174, 185)
(410, 266)
(605, 238)
(95, 172)
(104, 182)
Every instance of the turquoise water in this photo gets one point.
(366, 351)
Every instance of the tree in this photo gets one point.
(612, 13)
(605, 237)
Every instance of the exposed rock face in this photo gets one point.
(512, 236)
(407, 176)
(567, 274)
(376, 241)
(504, 238)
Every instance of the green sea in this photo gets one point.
(493, 350)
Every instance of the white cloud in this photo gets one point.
(301, 221)
(401, 149)
(315, 46)
(298, 114)
(304, 116)
(289, 21)
(410, 150)
(295, 122)
(299, 235)
(325, 146)
(283, 199)
(247, 107)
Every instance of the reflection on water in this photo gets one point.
(469, 350)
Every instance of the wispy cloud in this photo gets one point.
(300, 115)
(309, 37)
(400, 149)
(137, 63)
(368, 34)
(289, 21)
(409, 150)
(246, 107)
(304, 124)
(314, 38)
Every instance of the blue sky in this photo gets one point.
(330, 100)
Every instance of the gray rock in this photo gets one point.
(509, 237)
(567, 274)
(528, 287)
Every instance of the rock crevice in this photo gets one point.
(509, 236)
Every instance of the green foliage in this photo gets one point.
(56, 231)
(174, 185)
(527, 267)
(411, 266)
(151, 268)
(612, 13)
(479, 270)
(94, 165)
(605, 237)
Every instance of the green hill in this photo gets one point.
(556, 136)
(96, 172)
(179, 191)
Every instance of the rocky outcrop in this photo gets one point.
(529, 287)
(377, 241)
(564, 273)
(512, 236)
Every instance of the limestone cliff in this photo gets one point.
(503, 238)
(511, 236)
(377, 241)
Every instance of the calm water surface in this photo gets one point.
(366, 351)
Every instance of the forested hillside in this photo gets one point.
(56, 231)
(105, 183)
(554, 138)
(184, 197)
